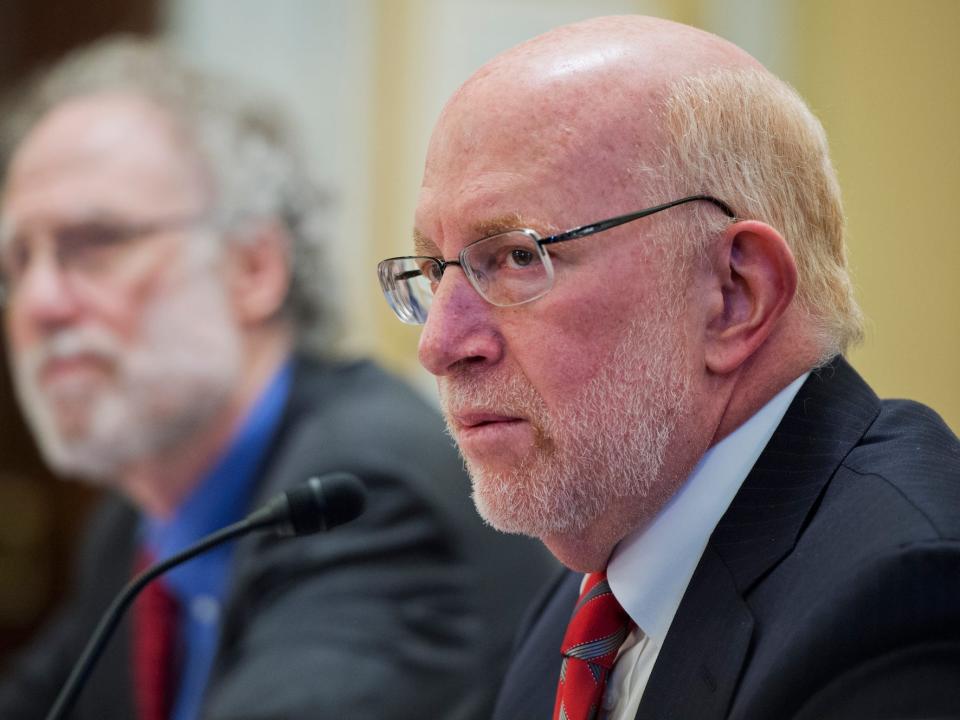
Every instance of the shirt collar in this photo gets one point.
(223, 495)
(649, 569)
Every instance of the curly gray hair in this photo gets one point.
(241, 140)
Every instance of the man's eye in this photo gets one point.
(431, 271)
(84, 237)
(15, 258)
(519, 258)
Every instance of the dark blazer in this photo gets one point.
(829, 589)
(407, 612)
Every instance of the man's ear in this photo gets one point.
(258, 272)
(755, 279)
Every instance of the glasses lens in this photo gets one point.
(407, 284)
(508, 269)
(96, 256)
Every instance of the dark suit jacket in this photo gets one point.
(829, 589)
(407, 612)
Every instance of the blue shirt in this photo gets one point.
(222, 497)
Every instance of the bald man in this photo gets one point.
(631, 275)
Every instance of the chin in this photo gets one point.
(72, 446)
(77, 461)
(578, 553)
(514, 505)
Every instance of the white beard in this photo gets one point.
(160, 392)
(606, 443)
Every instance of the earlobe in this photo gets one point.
(259, 272)
(756, 278)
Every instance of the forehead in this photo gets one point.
(100, 155)
(506, 151)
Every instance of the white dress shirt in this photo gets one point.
(649, 569)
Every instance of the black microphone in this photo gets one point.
(319, 504)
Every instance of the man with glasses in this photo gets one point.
(659, 393)
(165, 304)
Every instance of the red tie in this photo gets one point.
(154, 642)
(597, 629)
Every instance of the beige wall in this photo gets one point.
(881, 74)
(883, 77)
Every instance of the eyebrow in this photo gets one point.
(422, 245)
(504, 223)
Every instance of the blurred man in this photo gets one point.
(661, 397)
(161, 281)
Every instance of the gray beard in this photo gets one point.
(161, 393)
(605, 445)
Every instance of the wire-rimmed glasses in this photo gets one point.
(508, 268)
(91, 253)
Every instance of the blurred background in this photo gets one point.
(365, 79)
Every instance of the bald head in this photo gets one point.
(578, 98)
(635, 50)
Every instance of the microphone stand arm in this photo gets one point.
(111, 618)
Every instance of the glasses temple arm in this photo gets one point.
(596, 227)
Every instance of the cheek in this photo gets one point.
(125, 311)
(573, 332)
(568, 340)
(19, 335)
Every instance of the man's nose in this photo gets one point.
(459, 328)
(44, 295)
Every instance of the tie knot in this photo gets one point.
(599, 624)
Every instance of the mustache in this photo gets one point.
(66, 344)
(501, 393)
(505, 393)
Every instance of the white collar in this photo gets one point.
(649, 569)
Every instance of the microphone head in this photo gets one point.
(324, 502)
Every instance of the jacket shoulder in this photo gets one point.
(911, 458)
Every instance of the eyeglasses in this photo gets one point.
(509, 268)
(92, 254)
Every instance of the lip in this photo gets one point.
(474, 420)
(74, 366)
(494, 441)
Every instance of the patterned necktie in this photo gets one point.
(155, 615)
(597, 629)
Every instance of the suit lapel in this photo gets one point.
(692, 677)
(826, 419)
(703, 655)
(530, 685)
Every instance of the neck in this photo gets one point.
(589, 550)
(784, 358)
(159, 484)
(721, 405)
